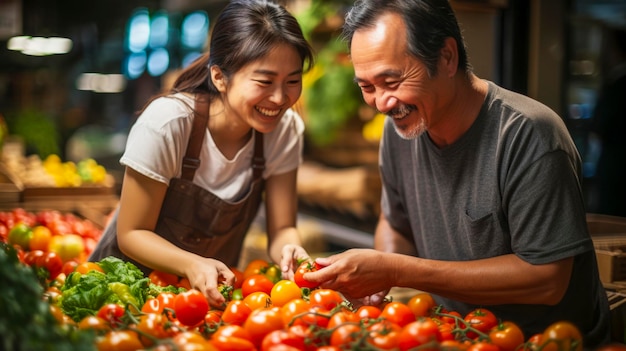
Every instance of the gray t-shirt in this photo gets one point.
(510, 184)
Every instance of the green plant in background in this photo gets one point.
(37, 129)
(330, 96)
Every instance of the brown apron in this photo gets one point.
(193, 218)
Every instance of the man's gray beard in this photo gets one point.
(413, 132)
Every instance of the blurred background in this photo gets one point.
(73, 74)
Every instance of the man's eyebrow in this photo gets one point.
(389, 73)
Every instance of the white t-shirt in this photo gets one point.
(158, 140)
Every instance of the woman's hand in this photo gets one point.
(206, 274)
(291, 256)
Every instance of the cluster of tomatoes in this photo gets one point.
(54, 240)
(264, 312)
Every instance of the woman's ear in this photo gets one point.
(218, 78)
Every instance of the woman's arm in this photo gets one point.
(140, 205)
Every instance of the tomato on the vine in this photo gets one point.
(255, 267)
(305, 267)
(398, 312)
(480, 319)
(422, 304)
(232, 337)
(420, 332)
(292, 311)
(261, 322)
(153, 326)
(507, 336)
(236, 312)
(384, 335)
(367, 312)
(562, 335)
(326, 298)
(112, 313)
(344, 335)
(256, 282)
(190, 307)
(282, 338)
(483, 345)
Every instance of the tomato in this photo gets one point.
(507, 336)
(423, 331)
(53, 264)
(163, 279)
(236, 312)
(213, 318)
(305, 267)
(237, 294)
(41, 238)
(454, 345)
(345, 334)
(421, 304)
(153, 326)
(328, 348)
(112, 313)
(384, 335)
(398, 312)
(284, 291)
(20, 234)
(483, 346)
(480, 319)
(191, 341)
(95, 323)
(238, 277)
(325, 298)
(69, 267)
(190, 307)
(342, 317)
(614, 346)
(316, 316)
(258, 299)
(261, 322)
(292, 310)
(256, 282)
(272, 272)
(33, 258)
(446, 330)
(67, 246)
(282, 337)
(232, 337)
(367, 312)
(184, 283)
(562, 335)
(86, 267)
(119, 340)
(255, 267)
(450, 317)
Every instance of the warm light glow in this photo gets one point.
(40, 46)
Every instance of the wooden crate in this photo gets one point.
(609, 239)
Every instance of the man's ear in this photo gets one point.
(218, 78)
(449, 59)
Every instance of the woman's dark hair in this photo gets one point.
(428, 24)
(245, 30)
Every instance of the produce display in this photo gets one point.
(53, 299)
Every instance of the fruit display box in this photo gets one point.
(609, 239)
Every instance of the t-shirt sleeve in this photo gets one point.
(155, 142)
(545, 212)
(284, 145)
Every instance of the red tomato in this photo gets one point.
(32, 258)
(483, 346)
(213, 318)
(163, 279)
(345, 334)
(367, 313)
(119, 340)
(422, 304)
(153, 326)
(238, 277)
(282, 337)
(423, 331)
(190, 307)
(232, 337)
(95, 323)
(342, 317)
(261, 322)
(284, 291)
(69, 267)
(305, 267)
(480, 319)
(191, 341)
(325, 298)
(293, 310)
(112, 313)
(398, 312)
(256, 282)
(384, 335)
(507, 336)
(53, 264)
(236, 312)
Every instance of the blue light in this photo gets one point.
(158, 62)
(189, 58)
(139, 31)
(159, 30)
(195, 29)
(135, 65)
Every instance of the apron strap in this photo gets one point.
(258, 160)
(191, 161)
